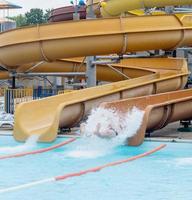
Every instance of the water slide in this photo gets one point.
(51, 42)
(149, 76)
(114, 8)
(159, 110)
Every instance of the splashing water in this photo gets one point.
(29, 144)
(112, 124)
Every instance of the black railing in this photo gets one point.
(42, 93)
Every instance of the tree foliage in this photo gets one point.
(34, 16)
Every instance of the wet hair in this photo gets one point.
(116, 133)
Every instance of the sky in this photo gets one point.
(43, 4)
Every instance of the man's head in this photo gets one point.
(106, 132)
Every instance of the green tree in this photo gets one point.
(35, 16)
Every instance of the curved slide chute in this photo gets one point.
(93, 37)
(160, 110)
(116, 7)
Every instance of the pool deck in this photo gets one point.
(5, 132)
(169, 134)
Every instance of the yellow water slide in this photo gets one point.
(51, 42)
(45, 116)
(116, 7)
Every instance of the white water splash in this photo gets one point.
(118, 127)
(29, 144)
(111, 123)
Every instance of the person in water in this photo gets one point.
(108, 132)
(102, 122)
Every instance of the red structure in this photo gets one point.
(66, 13)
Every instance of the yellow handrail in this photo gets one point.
(64, 91)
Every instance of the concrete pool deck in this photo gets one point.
(170, 134)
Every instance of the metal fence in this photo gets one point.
(12, 97)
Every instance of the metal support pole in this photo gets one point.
(174, 53)
(91, 72)
(13, 82)
(126, 56)
(119, 72)
(91, 14)
(190, 77)
(45, 83)
(90, 67)
(58, 74)
(76, 15)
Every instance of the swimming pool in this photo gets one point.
(163, 175)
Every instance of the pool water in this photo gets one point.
(165, 175)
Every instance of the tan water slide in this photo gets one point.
(95, 37)
(160, 110)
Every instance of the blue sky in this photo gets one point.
(44, 4)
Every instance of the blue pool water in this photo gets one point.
(165, 175)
